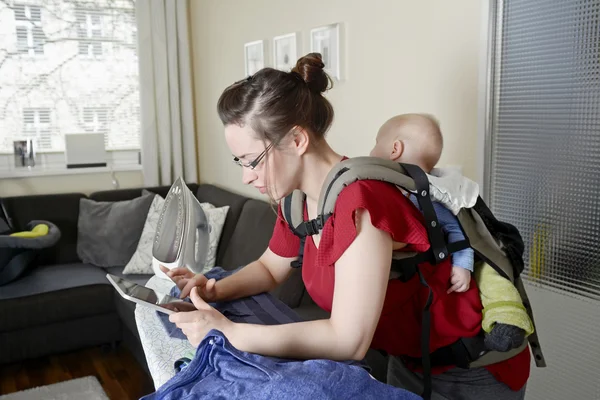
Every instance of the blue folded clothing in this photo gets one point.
(220, 371)
(262, 309)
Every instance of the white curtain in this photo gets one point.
(167, 113)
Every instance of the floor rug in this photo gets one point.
(87, 388)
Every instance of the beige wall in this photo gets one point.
(401, 56)
(82, 183)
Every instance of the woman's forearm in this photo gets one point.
(301, 340)
(253, 279)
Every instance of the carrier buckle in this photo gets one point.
(314, 226)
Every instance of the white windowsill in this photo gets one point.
(55, 171)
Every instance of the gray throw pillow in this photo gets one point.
(109, 232)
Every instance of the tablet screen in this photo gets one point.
(148, 295)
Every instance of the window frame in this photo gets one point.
(91, 40)
(30, 26)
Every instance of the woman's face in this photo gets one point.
(275, 171)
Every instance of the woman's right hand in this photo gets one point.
(186, 280)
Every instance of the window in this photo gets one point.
(95, 119)
(30, 35)
(37, 126)
(86, 81)
(89, 32)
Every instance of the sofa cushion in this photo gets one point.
(54, 294)
(250, 240)
(60, 209)
(216, 220)
(251, 236)
(219, 198)
(109, 231)
(59, 337)
(58, 306)
(51, 278)
(61, 292)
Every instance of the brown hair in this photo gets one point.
(273, 101)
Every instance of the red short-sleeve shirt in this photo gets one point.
(389, 211)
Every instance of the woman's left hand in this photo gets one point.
(196, 324)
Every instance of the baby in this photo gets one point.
(417, 139)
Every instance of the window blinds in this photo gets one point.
(68, 66)
(544, 177)
(545, 137)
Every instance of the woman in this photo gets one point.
(275, 125)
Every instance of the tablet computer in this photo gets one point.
(149, 297)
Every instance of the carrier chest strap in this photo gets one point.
(434, 230)
(297, 263)
(406, 267)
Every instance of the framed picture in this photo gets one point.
(326, 40)
(254, 56)
(285, 51)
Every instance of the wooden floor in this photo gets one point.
(116, 369)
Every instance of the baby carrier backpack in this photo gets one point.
(496, 243)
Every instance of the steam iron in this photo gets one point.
(182, 232)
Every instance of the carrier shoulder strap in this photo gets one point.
(406, 176)
(292, 208)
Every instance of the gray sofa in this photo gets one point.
(63, 304)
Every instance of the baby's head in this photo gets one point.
(412, 139)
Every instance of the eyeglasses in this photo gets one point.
(256, 161)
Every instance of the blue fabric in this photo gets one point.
(219, 371)
(451, 227)
(262, 309)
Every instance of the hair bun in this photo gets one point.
(310, 68)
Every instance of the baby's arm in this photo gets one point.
(451, 227)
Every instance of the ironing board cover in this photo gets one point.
(160, 349)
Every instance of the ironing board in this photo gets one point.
(160, 349)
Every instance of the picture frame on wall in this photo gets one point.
(326, 40)
(254, 56)
(285, 51)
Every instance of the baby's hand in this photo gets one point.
(460, 279)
